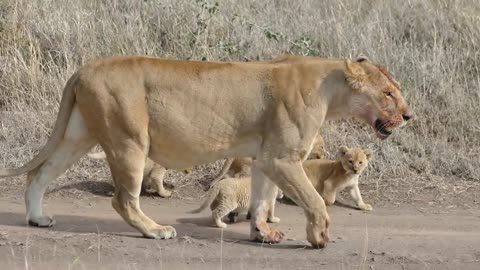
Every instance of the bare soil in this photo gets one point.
(89, 234)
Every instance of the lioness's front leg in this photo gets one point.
(291, 178)
(357, 196)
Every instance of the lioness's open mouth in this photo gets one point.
(381, 130)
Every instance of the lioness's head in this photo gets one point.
(354, 160)
(377, 97)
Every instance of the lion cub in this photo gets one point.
(153, 175)
(331, 176)
(242, 166)
(232, 194)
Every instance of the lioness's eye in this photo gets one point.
(388, 94)
(351, 161)
(360, 162)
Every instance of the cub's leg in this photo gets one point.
(76, 143)
(221, 211)
(329, 193)
(156, 177)
(355, 193)
(233, 216)
(271, 209)
(262, 193)
(291, 178)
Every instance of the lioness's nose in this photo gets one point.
(407, 115)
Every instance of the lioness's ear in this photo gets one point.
(343, 150)
(362, 58)
(355, 74)
(355, 69)
(368, 153)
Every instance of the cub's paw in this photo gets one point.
(233, 217)
(273, 219)
(221, 224)
(165, 193)
(365, 207)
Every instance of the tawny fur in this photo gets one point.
(332, 176)
(231, 195)
(186, 113)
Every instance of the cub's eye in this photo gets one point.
(360, 162)
(351, 161)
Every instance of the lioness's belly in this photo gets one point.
(197, 125)
(179, 144)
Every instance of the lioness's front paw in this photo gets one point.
(273, 219)
(270, 236)
(161, 232)
(44, 221)
(365, 207)
(317, 231)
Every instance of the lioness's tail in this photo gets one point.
(211, 195)
(226, 167)
(66, 107)
(98, 155)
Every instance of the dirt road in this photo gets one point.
(90, 235)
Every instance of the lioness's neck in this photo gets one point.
(334, 90)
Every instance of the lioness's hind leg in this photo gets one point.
(127, 172)
(76, 143)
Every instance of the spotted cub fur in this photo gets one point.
(231, 195)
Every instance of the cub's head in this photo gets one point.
(318, 149)
(354, 160)
(376, 98)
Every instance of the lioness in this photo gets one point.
(332, 176)
(183, 113)
(238, 167)
(153, 175)
(231, 196)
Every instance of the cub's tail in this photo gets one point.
(98, 155)
(211, 195)
(226, 167)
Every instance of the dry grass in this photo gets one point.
(432, 47)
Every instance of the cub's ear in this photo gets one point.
(368, 153)
(343, 150)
